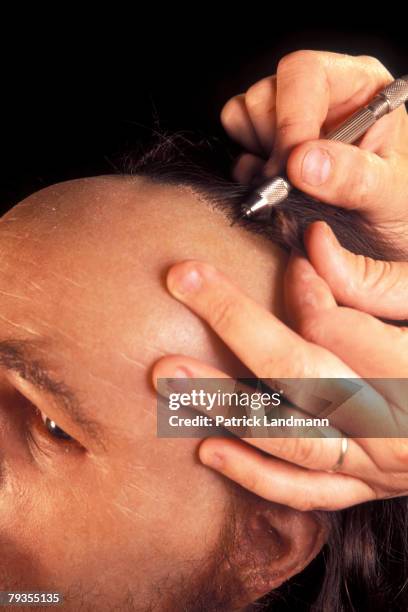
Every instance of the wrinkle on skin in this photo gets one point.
(153, 348)
(9, 234)
(36, 286)
(130, 513)
(62, 333)
(17, 297)
(114, 387)
(133, 361)
(142, 490)
(67, 279)
(56, 275)
(19, 326)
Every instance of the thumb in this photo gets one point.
(348, 176)
(377, 287)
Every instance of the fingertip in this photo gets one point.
(185, 277)
(170, 367)
(211, 455)
(319, 237)
(173, 366)
(229, 110)
(247, 167)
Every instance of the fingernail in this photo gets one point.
(181, 372)
(213, 460)
(182, 282)
(316, 167)
(176, 380)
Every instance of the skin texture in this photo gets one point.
(118, 511)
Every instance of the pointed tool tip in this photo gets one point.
(244, 215)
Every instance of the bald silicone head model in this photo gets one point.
(92, 504)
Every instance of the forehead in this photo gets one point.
(74, 261)
(82, 273)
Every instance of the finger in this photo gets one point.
(369, 346)
(282, 482)
(376, 351)
(181, 366)
(377, 287)
(238, 125)
(270, 349)
(185, 374)
(309, 452)
(260, 100)
(246, 168)
(263, 343)
(309, 83)
(350, 177)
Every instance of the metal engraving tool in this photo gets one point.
(275, 190)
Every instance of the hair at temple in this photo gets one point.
(364, 565)
(204, 165)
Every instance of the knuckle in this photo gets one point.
(391, 483)
(294, 363)
(374, 64)
(259, 93)
(311, 328)
(297, 57)
(370, 60)
(288, 123)
(302, 451)
(230, 109)
(222, 313)
(401, 452)
(364, 185)
(375, 274)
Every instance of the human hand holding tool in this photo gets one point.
(274, 191)
(281, 121)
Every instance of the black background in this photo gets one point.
(77, 92)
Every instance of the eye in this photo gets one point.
(53, 429)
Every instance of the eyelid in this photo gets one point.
(46, 418)
(38, 399)
(50, 424)
(42, 443)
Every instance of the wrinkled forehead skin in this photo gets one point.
(82, 273)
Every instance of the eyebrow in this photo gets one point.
(19, 356)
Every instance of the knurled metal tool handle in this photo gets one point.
(386, 101)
